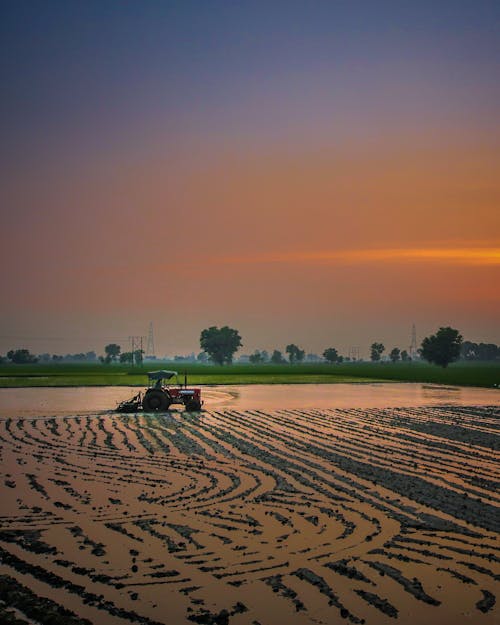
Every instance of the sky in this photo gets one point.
(323, 173)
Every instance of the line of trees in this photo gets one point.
(479, 351)
(219, 345)
(440, 349)
(396, 354)
(114, 354)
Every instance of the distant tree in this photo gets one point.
(376, 351)
(265, 355)
(91, 356)
(340, 359)
(469, 351)
(21, 356)
(481, 351)
(127, 358)
(443, 347)
(3, 360)
(395, 354)
(138, 357)
(256, 358)
(488, 351)
(405, 356)
(202, 357)
(220, 343)
(112, 352)
(331, 355)
(277, 358)
(295, 354)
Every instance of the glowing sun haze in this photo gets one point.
(321, 173)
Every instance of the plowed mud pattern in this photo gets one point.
(247, 517)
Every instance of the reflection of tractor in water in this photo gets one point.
(159, 396)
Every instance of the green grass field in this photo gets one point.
(486, 374)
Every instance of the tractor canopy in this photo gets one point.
(163, 374)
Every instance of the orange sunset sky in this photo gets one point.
(319, 173)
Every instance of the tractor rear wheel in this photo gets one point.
(155, 401)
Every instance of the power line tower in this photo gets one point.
(150, 346)
(354, 353)
(413, 346)
(136, 343)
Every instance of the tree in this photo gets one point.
(138, 356)
(405, 356)
(220, 343)
(256, 358)
(127, 357)
(21, 357)
(395, 354)
(443, 347)
(483, 351)
(376, 351)
(202, 357)
(331, 355)
(112, 352)
(295, 354)
(277, 358)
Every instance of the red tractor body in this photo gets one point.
(159, 396)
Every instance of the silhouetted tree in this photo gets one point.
(220, 343)
(481, 351)
(256, 358)
(112, 352)
(405, 356)
(443, 347)
(127, 358)
(331, 355)
(202, 357)
(295, 354)
(395, 354)
(21, 356)
(138, 356)
(376, 351)
(277, 358)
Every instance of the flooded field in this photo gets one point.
(276, 505)
(84, 400)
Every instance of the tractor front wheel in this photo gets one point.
(155, 401)
(193, 406)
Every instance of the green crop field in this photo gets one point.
(486, 374)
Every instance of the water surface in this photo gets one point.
(82, 400)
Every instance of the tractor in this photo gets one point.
(160, 395)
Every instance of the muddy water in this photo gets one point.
(82, 400)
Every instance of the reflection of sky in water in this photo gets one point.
(72, 401)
